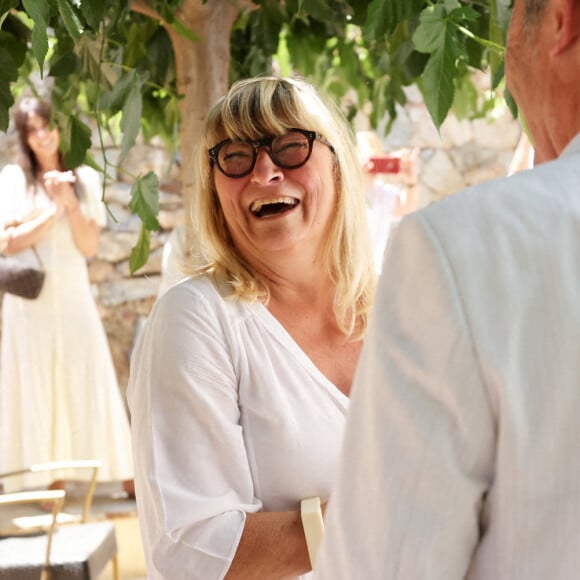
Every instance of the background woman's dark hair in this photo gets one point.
(26, 157)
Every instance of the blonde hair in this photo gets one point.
(263, 106)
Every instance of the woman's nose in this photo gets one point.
(39, 131)
(265, 169)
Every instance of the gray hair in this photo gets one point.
(534, 10)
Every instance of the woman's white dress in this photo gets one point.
(59, 396)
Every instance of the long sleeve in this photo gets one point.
(192, 474)
(419, 447)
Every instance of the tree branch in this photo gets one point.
(142, 7)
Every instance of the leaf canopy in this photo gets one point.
(113, 62)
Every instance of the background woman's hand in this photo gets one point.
(408, 167)
(60, 187)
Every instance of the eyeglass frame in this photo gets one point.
(266, 142)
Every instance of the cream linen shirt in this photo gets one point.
(229, 416)
(462, 449)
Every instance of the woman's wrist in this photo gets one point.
(52, 213)
(73, 208)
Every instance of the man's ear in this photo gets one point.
(567, 14)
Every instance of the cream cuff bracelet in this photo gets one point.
(313, 525)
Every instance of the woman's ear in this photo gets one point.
(567, 25)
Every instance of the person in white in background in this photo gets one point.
(177, 261)
(3, 238)
(461, 458)
(59, 396)
(386, 202)
(173, 259)
(523, 157)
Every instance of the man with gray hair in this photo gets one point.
(462, 449)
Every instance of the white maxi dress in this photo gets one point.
(59, 396)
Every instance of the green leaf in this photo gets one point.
(430, 34)
(89, 51)
(383, 16)
(93, 12)
(79, 142)
(451, 5)
(137, 39)
(6, 101)
(498, 24)
(304, 51)
(168, 14)
(65, 65)
(39, 45)
(70, 18)
(116, 98)
(349, 62)
(438, 84)
(130, 120)
(415, 64)
(39, 12)
(5, 7)
(184, 31)
(511, 103)
(320, 10)
(145, 200)
(463, 14)
(8, 67)
(466, 96)
(141, 250)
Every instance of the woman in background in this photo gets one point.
(59, 397)
(387, 203)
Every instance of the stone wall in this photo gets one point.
(462, 154)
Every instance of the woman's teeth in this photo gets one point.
(266, 207)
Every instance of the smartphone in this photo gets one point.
(385, 164)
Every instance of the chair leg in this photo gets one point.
(115, 567)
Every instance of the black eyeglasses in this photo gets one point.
(289, 151)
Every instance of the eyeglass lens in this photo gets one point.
(290, 151)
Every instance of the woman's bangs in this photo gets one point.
(251, 115)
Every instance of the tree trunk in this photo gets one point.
(202, 69)
(202, 76)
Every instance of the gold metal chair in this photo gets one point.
(56, 497)
(57, 550)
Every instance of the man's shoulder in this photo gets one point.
(506, 215)
(546, 186)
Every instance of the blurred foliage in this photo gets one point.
(116, 66)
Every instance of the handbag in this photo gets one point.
(21, 279)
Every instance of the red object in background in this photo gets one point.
(385, 164)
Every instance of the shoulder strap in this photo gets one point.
(40, 262)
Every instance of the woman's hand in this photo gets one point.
(60, 187)
(408, 167)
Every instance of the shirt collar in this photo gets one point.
(572, 147)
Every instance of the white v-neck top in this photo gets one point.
(229, 416)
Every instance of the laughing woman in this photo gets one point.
(240, 382)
